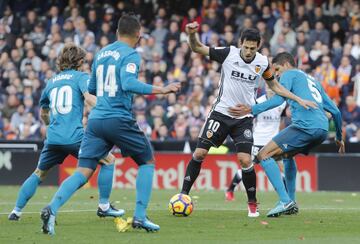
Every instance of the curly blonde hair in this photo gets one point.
(70, 57)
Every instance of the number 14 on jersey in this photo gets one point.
(109, 84)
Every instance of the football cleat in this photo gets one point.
(48, 220)
(281, 208)
(110, 212)
(229, 196)
(14, 216)
(295, 210)
(253, 211)
(145, 224)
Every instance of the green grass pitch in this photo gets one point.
(325, 217)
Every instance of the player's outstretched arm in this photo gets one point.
(330, 107)
(130, 83)
(136, 86)
(194, 41)
(241, 110)
(282, 91)
(170, 88)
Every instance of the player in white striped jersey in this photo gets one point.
(241, 69)
(266, 126)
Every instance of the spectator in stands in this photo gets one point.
(326, 74)
(81, 32)
(92, 21)
(10, 21)
(343, 77)
(337, 33)
(194, 132)
(160, 32)
(356, 80)
(163, 133)
(303, 59)
(319, 34)
(28, 23)
(227, 18)
(54, 18)
(3, 44)
(192, 16)
(351, 117)
(28, 58)
(31, 59)
(355, 50)
(18, 117)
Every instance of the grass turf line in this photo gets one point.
(325, 217)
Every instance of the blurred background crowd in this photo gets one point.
(324, 36)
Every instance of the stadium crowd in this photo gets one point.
(323, 35)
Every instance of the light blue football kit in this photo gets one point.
(114, 81)
(63, 96)
(308, 129)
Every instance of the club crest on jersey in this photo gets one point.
(247, 134)
(209, 134)
(257, 69)
(131, 68)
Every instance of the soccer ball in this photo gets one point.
(181, 205)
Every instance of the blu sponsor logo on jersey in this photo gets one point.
(5, 160)
(242, 76)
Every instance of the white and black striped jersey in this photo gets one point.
(238, 79)
(267, 123)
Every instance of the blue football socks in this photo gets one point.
(66, 190)
(26, 191)
(144, 181)
(290, 171)
(273, 173)
(105, 181)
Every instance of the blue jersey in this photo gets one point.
(307, 88)
(63, 96)
(114, 81)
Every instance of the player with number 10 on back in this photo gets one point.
(114, 81)
(240, 72)
(62, 105)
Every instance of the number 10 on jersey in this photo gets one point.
(109, 84)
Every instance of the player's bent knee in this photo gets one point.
(88, 163)
(109, 159)
(151, 161)
(244, 159)
(87, 172)
(200, 154)
(41, 173)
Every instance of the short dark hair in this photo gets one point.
(283, 58)
(128, 25)
(70, 57)
(250, 34)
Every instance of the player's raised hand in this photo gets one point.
(307, 104)
(192, 27)
(239, 110)
(171, 88)
(341, 146)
